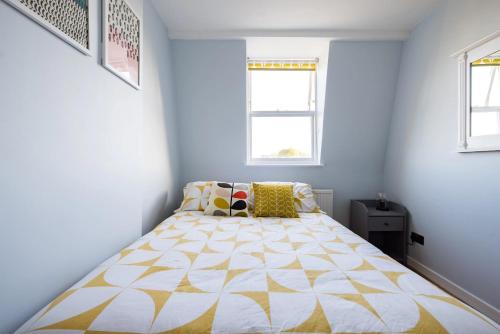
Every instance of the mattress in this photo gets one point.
(203, 274)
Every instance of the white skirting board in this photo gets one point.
(456, 290)
(324, 198)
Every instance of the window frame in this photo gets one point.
(467, 142)
(313, 114)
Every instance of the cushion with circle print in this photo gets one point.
(228, 199)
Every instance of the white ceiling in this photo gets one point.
(341, 19)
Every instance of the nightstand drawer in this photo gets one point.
(385, 223)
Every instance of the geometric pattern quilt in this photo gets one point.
(205, 274)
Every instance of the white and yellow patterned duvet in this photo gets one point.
(201, 274)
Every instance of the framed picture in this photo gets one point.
(68, 19)
(122, 41)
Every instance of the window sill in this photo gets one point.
(477, 149)
(282, 164)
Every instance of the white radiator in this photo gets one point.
(324, 198)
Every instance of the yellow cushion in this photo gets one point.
(274, 200)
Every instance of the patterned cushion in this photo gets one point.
(274, 200)
(196, 196)
(303, 197)
(228, 199)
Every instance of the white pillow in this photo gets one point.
(303, 198)
(196, 195)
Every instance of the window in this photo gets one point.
(485, 96)
(479, 104)
(282, 112)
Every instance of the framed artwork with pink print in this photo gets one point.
(122, 41)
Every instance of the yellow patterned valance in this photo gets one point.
(282, 65)
(487, 62)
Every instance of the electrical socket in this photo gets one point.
(415, 237)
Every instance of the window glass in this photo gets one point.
(283, 91)
(485, 96)
(282, 137)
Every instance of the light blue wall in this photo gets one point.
(210, 95)
(161, 189)
(454, 198)
(86, 161)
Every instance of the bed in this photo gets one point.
(204, 274)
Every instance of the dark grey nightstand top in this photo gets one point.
(396, 210)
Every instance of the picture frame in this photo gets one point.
(122, 36)
(69, 20)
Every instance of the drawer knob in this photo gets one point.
(386, 224)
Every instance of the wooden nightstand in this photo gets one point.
(386, 230)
